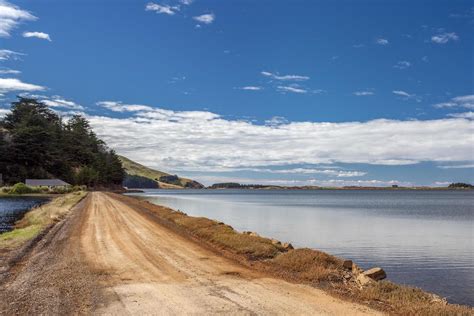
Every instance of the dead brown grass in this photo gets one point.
(406, 300)
(309, 265)
(224, 236)
(306, 266)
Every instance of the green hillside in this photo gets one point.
(164, 180)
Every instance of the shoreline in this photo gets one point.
(265, 256)
(375, 294)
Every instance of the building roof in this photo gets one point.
(45, 182)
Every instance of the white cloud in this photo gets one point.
(382, 41)
(285, 77)
(466, 115)
(205, 18)
(6, 54)
(329, 172)
(12, 84)
(251, 88)
(444, 38)
(465, 101)
(363, 93)
(39, 35)
(291, 89)
(119, 107)
(60, 102)
(3, 112)
(401, 93)
(402, 64)
(425, 59)
(465, 166)
(205, 141)
(276, 120)
(9, 72)
(186, 2)
(407, 96)
(11, 16)
(161, 9)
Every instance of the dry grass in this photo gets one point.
(308, 266)
(224, 236)
(406, 300)
(38, 219)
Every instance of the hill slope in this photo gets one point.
(163, 179)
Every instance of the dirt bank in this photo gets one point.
(109, 257)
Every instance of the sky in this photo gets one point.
(328, 93)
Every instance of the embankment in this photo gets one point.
(305, 266)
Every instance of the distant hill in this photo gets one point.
(139, 176)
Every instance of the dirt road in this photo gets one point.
(129, 264)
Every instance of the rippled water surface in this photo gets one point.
(13, 208)
(421, 238)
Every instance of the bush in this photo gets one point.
(21, 188)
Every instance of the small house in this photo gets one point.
(47, 183)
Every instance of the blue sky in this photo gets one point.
(285, 92)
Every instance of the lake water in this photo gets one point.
(421, 238)
(13, 209)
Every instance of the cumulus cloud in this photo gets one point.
(251, 88)
(291, 89)
(6, 54)
(161, 9)
(39, 35)
(465, 101)
(186, 2)
(382, 41)
(11, 16)
(402, 64)
(444, 38)
(363, 93)
(12, 84)
(205, 18)
(284, 77)
(205, 141)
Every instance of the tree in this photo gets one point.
(35, 143)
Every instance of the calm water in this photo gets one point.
(423, 239)
(13, 208)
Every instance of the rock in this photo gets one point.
(287, 246)
(275, 242)
(254, 234)
(375, 274)
(347, 276)
(356, 270)
(347, 264)
(362, 279)
(438, 300)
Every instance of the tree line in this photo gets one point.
(35, 142)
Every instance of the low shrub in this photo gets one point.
(21, 188)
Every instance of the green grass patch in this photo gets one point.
(38, 219)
